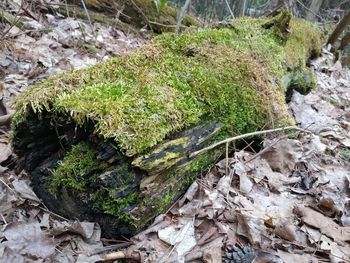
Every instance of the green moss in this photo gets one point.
(332, 101)
(304, 41)
(176, 82)
(301, 80)
(173, 183)
(114, 206)
(73, 169)
(224, 75)
(80, 168)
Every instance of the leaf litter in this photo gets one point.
(288, 203)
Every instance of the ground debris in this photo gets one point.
(44, 45)
(289, 204)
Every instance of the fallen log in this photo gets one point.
(112, 143)
(131, 15)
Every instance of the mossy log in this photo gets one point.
(111, 143)
(133, 14)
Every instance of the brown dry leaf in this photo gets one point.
(325, 224)
(250, 227)
(286, 230)
(198, 252)
(29, 239)
(337, 253)
(283, 156)
(213, 255)
(190, 193)
(310, 118)
(245, 185)
(293, 258)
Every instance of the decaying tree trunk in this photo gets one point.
(134, 13)
(111, 143)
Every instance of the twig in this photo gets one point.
(181, 15)
(14, 23)
(3, 219)
(2, 181)
(226, 166)
(52, 213)
(87, 14)
(143, 14)
(229, 9)
(244, 136)
(109, 248)
(308, 9)
(264, 150)
(114, 256)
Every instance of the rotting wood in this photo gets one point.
(136, 13)
(112, 143)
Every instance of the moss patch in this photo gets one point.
(73, 170)
(304, 41)
(101, 185)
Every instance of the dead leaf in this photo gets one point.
(292, 257)
(28, 238)
(181, 236)
(325, 224)
(286, 230)
(24, 190)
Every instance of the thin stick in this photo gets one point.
(181, 15)
(87, 14)
(229, 9)
(243, 136)
(52, 213)
(114, 256)
(109, 248)
(308, 9)
(142, 13)
(226, 172)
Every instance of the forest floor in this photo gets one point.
(289, 202)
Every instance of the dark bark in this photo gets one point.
(162, 174)
(345, 41)
(339, 29)
(137, 13)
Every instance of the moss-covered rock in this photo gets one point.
(134, 120)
